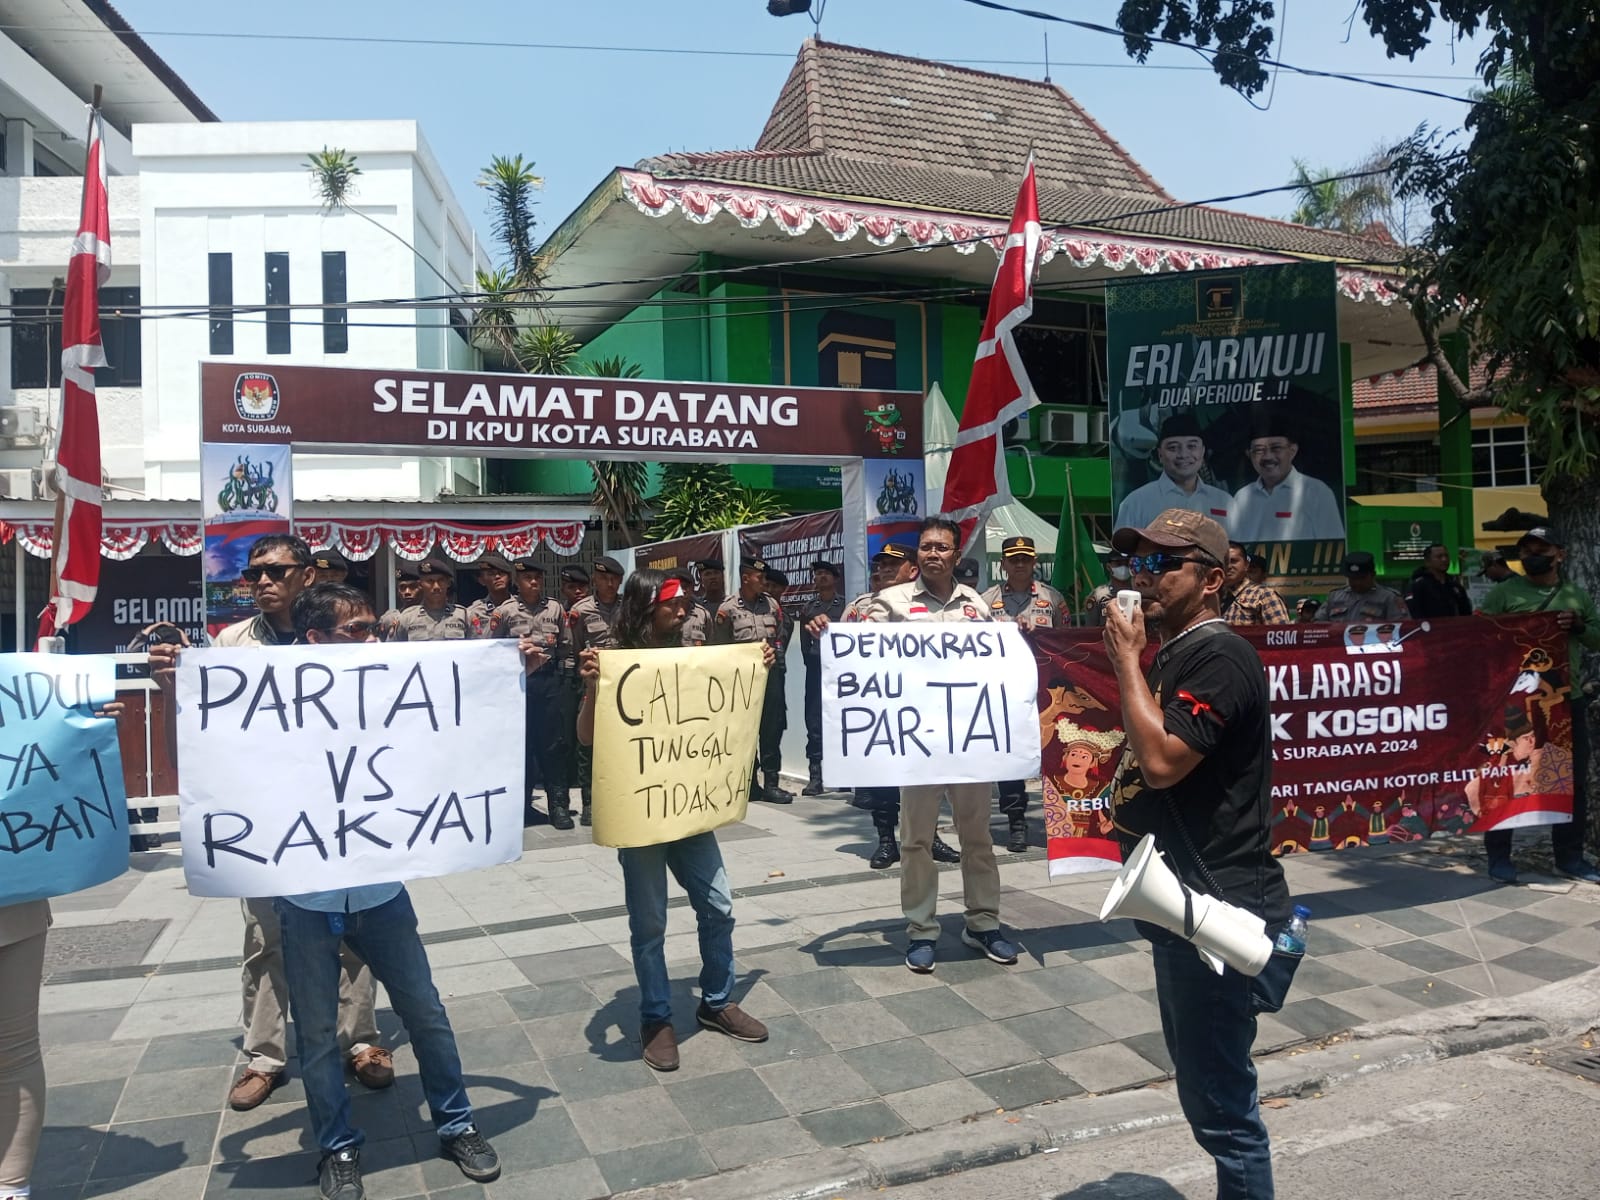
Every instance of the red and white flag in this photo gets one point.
(75, 574)
(999, 392)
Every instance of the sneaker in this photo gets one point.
(472, 1153)
(373, 1067)
(992, 944)
(919, 956)
(1502, 872)
(1581, 870)
(339, 1175)
(943, 851)
(660, 1046)
(733, 1021)
(251, 1088)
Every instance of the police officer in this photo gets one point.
(574, 585)
(540, 627)
(1030, 605)
(697, 625)
(436, 617)
(1117, 577)
(1363, 599)
(825, 578)
(593, 620)
(407, 588)
(494, 574)
(332, 567)
(754, 616)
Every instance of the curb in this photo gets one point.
(1000, 1136)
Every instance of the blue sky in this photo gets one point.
(578, 113)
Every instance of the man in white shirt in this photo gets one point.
(1182, 451)
(1282, 505)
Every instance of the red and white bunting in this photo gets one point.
(76, 574)
(999, 392)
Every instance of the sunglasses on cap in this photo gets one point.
(273, 571)
(1163, 564)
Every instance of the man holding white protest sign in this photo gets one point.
(370, 911)
(650, 618)
(890, 742)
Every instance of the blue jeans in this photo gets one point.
(386, 937)
(696, 863)
(1209, 1022)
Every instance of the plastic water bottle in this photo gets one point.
(1293, 938)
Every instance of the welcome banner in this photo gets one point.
(1384, 734)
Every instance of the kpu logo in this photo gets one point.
(255, 395)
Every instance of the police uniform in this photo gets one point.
(547, 715)
(1039, 607)
(422, 624)
(759, 620)
(811, 660)
(919, 803)
(407, 572)
(332, 567)
(780, 653)
(482, 609)
(1346, 606)
(593, 624)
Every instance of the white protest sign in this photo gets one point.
(310, 768)
(914, 702)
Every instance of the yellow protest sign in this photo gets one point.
(675, 735)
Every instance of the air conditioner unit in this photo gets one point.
(1064, 427)
(44, 487)
(1018, 430)
(17, 484)
(1100, 428)
(19, 425)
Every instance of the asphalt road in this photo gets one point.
(1496, 1126)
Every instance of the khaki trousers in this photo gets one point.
(919, 876)
(266, 994)
(21, 1064)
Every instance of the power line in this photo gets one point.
(578, 47)
(1095, 27)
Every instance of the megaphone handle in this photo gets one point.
(1210, 959)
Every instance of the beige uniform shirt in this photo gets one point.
(695, 626)
(741, 620)
(417, 624)
(545, 625)
(478, 614)
(592, 623)
(1040, 607)
(913, 602)
(254, 631)
(856, 609)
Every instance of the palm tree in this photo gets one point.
(1327, 201)
(618, 486)
(695, 497)
(333, 176)
(511, 184)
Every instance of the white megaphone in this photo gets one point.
(1147, 890)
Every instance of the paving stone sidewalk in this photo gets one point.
(140, 1009)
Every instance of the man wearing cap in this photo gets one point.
(332, 567)
(825, 578)
(1245, 602)
(1434, 592)
(1030, 605)
(1494, 567)
(1196, 772)
(1281, 504)
(436, 617)
(754, 616)
(408, 591)
(540, 627)
(574, 585)
(494, 574)
(1541, 588)
(593, 620)
(1182, 453)
(707, 599)
(775, 584)
(936, 596)
(1362, 598)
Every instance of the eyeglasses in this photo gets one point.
(1257, 449)
(355, 629)
(1163, 564)
(936, 548)
(273, 571)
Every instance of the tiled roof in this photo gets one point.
(870, 126)
(1405, 391)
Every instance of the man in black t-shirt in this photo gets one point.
(1197, 773)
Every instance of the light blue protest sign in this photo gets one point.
(63, 808)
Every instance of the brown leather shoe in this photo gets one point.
(251, 1088)
(374, 1067)
(660, 1046)
(733, 1021)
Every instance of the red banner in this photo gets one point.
(1380, 733)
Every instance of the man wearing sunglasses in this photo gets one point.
(1197, 773)
(280, 569)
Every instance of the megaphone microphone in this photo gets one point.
(1147, 890)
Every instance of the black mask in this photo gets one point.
(1537, 564)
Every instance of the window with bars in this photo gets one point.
(36, 337)
(1064, 349)
(219, 295)
(1387, 468)
(335, 317)
(1502, 457)
(279, 330)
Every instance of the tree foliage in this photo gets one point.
(697, 497)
